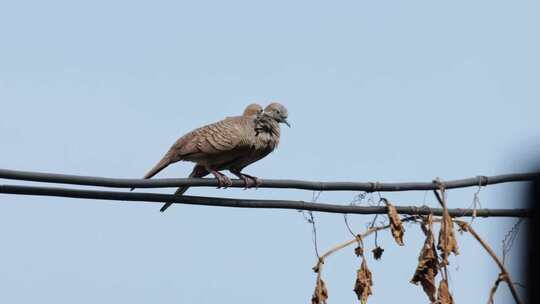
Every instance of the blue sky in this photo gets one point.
(376, 91)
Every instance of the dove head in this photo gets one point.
(253, 110)
(277, 112)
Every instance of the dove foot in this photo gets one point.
(249, 181)
(223, 180)
(256, 181)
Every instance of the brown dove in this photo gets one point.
(230, 144)
(251, 111)
(264, 141)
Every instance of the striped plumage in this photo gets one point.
(230, 144)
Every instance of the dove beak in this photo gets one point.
(286, 122)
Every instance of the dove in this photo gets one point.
(230, 144)
(251, 111)
(264, 141)
(197, 141)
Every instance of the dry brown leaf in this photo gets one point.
(443, 293)
(447, 240)
(395, 224)
(320, 295)
(427, 270)
(359, 251)
(362, 286)
(377, 252)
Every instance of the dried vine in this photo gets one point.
(433, 260)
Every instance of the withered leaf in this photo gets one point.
(447, 240)
(443, 293)
(317, 268)
(395, 224)
(362, 286)
(377, 252)
(320, 295)
(427, 270)
(359, 251)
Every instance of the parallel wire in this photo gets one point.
(265, 183)
(125, 197)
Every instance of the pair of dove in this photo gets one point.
(230, 144)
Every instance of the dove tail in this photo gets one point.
(198, 171)
(179, 191)
(162, 164)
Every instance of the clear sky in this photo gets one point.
(376, 91)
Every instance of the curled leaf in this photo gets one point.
(443, 294)
(317, 268)
(427, 270)
(447, 241)
(359, 251)
(377, 252)
(362, 286)
(395, 224)
(320, 295)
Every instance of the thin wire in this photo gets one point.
(314, 234)
(425, 198)
(357, 200)
(509, 239)
(310, 218)
(476, 201)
